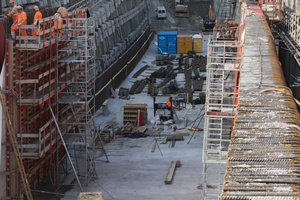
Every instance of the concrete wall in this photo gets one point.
(118, 24)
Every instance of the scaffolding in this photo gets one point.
(273, 9)
(223, 62)
(76, 93)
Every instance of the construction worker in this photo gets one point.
(22, 20)
(169, 102)
(37, 16)
(14, 12)
(63, 13)
(233, 26)
(260, 4)
(217, 24)
(57, 23)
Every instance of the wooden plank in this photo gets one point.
(170, 173)
(139, 129)
(165, 140)
(176, 138)
(27, 81)
(178, 134)
(154, 146)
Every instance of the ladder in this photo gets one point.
(14, 144)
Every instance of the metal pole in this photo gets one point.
(65, 146)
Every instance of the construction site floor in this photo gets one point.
(134, 172)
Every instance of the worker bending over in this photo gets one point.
(14, 11)
(22, 20)
(233, 26)
(37, 16)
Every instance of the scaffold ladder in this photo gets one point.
(15, 145)
(222, 60)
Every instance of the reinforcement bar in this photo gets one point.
(263, 155)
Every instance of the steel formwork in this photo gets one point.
(223, 60)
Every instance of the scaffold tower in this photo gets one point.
(223, 62)
(76, 93)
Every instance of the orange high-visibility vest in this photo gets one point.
(37, 16)
(169, 104)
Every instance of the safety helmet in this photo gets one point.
(19, 8)
(36, 8)
(225, 21)
(57, 7)
(11, 1)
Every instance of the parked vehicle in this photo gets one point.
(161, 12)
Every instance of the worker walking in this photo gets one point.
(37, 16)
(22, 20)
(14, 11)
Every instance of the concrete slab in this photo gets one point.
(136, 173)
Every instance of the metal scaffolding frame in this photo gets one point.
(223, 61)
(76, 92)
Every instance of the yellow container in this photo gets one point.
(197, 43)
(90, 196)
(184, 43)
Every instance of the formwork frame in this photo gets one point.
(223, 60)
(75, 112)
(30, 83)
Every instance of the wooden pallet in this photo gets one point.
(131, 111)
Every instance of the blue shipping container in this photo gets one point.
(167, 42)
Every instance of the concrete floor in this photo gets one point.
(136, 173)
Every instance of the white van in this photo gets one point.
(161, 12)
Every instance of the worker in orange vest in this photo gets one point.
(14, 12)
(169, 104)
(233, 26)
(57, 23)
(260, 5)
(63, 13)
(22, 20)
(37, 16)
(217, 24)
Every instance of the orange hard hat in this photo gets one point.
(36, 8)
(57, 7)
(225, 21)
(19, 8)
(11, 1)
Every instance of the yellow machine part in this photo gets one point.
(210, 12)
(90, 196)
